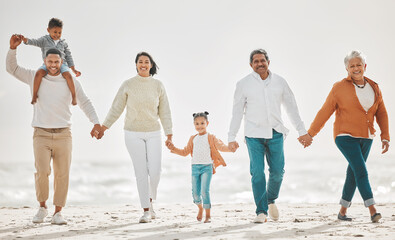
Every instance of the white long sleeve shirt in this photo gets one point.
(260, 102)
(53, 106)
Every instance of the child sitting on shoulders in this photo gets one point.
(46, 42)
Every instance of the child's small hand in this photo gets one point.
(170, 146)
(24, 39)
(76, 72)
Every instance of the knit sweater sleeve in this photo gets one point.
(382, 119)
(12, 67)
(117, 107)
(85, 103)
(164, 111)
(324, 113)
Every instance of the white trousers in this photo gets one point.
(145, 150)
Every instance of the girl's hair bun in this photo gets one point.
(200, 114)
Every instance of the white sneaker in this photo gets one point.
(145, 218)
(40, 215)
(58, 219)
(261, 218)
(273, 212)
(152, 212)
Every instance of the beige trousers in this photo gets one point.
(55, 143)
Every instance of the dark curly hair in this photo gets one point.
(200, 114)
(55, 22)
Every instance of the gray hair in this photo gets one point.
(259, 51)
(354, 54)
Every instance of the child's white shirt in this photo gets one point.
(201, 150)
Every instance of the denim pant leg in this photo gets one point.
(256, 151)
(196, 184)
(206, 174)
(275, 160)
(356, 151)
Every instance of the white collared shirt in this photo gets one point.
(260, 102)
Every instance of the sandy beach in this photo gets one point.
(229, 221)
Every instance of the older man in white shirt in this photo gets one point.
(51, 122)
(259, 97)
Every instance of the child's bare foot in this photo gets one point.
(74, 102)
(34, 100)
(200, 213)
(208, 216)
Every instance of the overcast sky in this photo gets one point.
(202, 49)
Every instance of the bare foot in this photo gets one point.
(200, 213)
(74, 102)
(208, 216)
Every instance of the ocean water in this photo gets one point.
(312, 180)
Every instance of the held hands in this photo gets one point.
(15, 40)
(306, 140)
(233, 146)
(169, 144)
(98, 131)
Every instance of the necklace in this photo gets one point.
(359, 86)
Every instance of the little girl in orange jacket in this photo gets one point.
(204, 149)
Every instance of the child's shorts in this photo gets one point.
(64, 68)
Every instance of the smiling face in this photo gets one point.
(201, 125)
(260, 65)
(55, 33)
(143, 66)
(53, 63)
(356, 68)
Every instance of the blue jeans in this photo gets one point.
(201, 178)
(273, 149)
(64, 68)
(356, 151)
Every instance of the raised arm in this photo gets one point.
(22, 74)
(39, 42)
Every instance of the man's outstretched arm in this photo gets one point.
(12, 67)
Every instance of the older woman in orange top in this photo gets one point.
(357, 101)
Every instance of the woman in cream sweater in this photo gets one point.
(146, 103)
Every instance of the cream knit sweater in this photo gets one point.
(146, 101)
